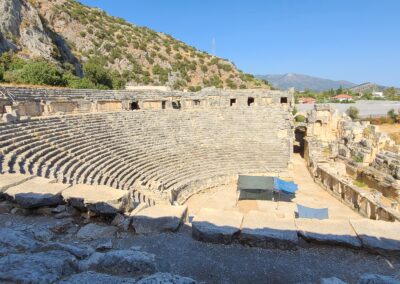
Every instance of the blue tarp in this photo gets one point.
(285, 186)
(312, 213)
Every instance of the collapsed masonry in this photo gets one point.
(354, 160)
(164, 147)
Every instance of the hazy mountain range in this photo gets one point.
(301, 82)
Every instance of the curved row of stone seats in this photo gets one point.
(38, 94)
(161, 151)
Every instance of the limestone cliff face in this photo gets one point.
(23, 30)
(65, 31)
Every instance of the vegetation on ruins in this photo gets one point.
(353, 112)
(358, 159)
(392, 117)
(300, 118)
(105, 52)
(359, 183)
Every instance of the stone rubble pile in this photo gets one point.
(345, 156)
(24, 259)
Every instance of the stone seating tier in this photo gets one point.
(164, 152)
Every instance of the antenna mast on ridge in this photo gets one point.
(214, 47)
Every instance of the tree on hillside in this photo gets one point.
(40, 73)
(392, 114)
(353, 112)
(339, 91)
(390, 93)
(94, 70)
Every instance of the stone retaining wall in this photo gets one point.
(43, 102)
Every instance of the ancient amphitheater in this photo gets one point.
(141, 186)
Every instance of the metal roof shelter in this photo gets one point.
(264, 187)
(256, 187)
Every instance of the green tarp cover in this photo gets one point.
(255, 187)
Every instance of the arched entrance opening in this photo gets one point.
(299, 143)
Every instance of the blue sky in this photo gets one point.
(355, 40)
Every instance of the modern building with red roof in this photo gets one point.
(343, 97)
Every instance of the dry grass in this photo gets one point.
(393, 130)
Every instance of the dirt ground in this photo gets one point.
(393, 130)
(180, 254)
(309, 194)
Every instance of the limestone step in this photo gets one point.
(378, 235)
(96, 198)
(267, 231)
(36, 192)
(331, 232)
(159, 218)
(216, 226)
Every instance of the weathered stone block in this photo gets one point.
(159, 218)
(263, 230)
(378, 235)
(97, 198)
(93, 231)
(126, 263)
(332, 232)
(216, 226)
(36, 192)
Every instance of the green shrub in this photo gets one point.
(231, 84)
(2, 70)
(40, 73)
(82, 34)
(358, 159)
(353, 112)
(75, 82)
(178, 56)
(195, 88)
(300, 118)
(94, 70)
(225, 67)
(392, 114)
(359, 183)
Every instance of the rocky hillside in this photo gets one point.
(302, 82)
(69, 34)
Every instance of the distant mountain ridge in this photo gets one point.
(301, 82)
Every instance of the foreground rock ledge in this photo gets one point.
(97, 198)
(125, 263)
(263, 230)
(380, 236)
(42, 267)
(36, 192)
(216, 226)
(331, 232)
(10, 180)
(159, 218)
